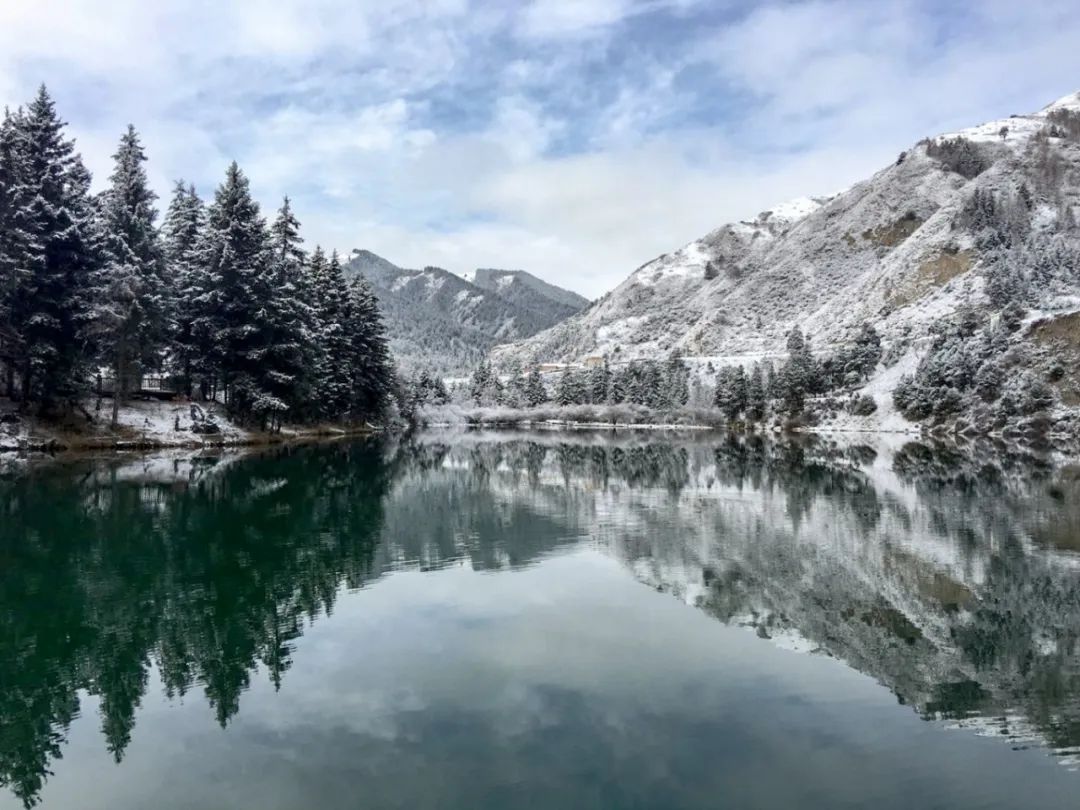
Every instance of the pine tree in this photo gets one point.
(755, 395)
(599, 383)
(333, 387)
(731, 391)
(181, 234)
(569, 390)
(15, 241)
(534, 393)
(617, 389)
(676, 382)
(652, 387)
(51, 308)
(478, 384)
(798, 373)
(368, 363)
(290, 352)
(235, 258)
(132, 312)
(866, 353)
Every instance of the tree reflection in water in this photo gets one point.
(942, 572)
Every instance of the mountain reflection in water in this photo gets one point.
(951, 576)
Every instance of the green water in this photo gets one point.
(542, 621)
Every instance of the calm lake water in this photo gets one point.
(543, 621)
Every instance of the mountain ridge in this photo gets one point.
(905, 250)
(439, 321)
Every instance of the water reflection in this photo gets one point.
(948, 574)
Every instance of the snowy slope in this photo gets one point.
(891, 250)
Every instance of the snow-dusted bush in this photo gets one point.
(862, 405)
(959, 155)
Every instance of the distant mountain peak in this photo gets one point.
(443, 322)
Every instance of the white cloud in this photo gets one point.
(573, 139)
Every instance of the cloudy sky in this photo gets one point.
(572, 138)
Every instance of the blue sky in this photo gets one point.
(572, 139)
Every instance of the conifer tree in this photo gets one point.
(866, 353)
(755, 395)
(676, 382)
(132, 312)
(334, 386)
(798, 373)
(51, 308)
(289, 357)
(181, 233)
(480, 383)
(235, 258)
(534, 392)
(370, 369)
(569, 389)
(15, 241)
(599, 383)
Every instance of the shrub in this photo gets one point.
(862, 405)
(959, 155)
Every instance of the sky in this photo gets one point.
(576, 139)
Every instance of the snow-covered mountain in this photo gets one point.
(904, 250)
(529, 291)
(445, 323)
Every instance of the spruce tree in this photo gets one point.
(132, 311)
(755, 395)
(51, 308)
(368, 363)
(15, 241)
(289, 357)
(599, 383)
(480, 383)
(333, 386)
(676, 381)
(866, 353)
(569, 389)
(534, 392)
(181, 234)
(235, 258)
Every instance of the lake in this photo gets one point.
(543, 620)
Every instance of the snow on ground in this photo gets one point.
(617, 332)
(886, 419)
(171, 422)
(792, 210)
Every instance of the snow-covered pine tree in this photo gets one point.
(569, 389)
(731, 392)
(333, 387)
(534, 392)
(676, 381)
(480, 383)
(132, 302)
(653, 393)
(866, 353)
(290, 352)
(15, 242)
(235, 257)
(181, 232)
(797, 375)
(599, 383)
(51, 308)
(636, 384)
(368, 363)
(755, 394)
(617, 389)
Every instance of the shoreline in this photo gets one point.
(91, 444)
